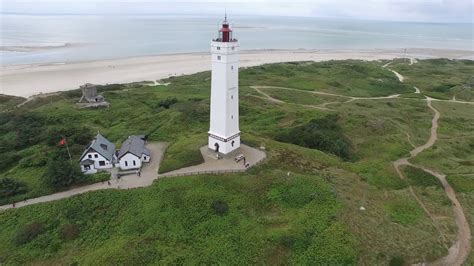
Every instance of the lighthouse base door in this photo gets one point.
(223, 147)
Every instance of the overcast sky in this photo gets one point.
(397, 10)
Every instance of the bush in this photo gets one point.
(8, 160)
(28, 233)
(220, 207)
(323, 134)
(61, 173)
(167, 102)
(69, 232)
(396, 261)
(73, 134)
(10, 187)
(418, 177)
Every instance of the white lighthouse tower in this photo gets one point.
(224, 133)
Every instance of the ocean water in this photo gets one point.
(67, 38)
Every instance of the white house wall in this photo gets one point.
(145, 158)
(129, 158)
(107, 165)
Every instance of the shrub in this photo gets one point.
(73, 134)
(61, 173)
(396, 261)
(8, 160)
(167, 102)
(418, 177)
(10, 187)
(323, 134)
(220, 207)
(28, 233)
(69, 232)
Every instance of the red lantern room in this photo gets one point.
(225, 33)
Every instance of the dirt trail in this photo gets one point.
(459, 251)
(350, 98)
(400, 77)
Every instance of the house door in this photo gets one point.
(217, 147)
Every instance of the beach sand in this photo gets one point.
(28, 80)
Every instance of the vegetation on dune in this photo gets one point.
(61, 173)
(349, 77)
(418, 177)
(440, 78)
(302, 206)
(11, 187)
(211, 219)
(322, 134)
(8, 102)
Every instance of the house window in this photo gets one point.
(218, 57)
(90, 156)
(96, 156)
(231, 117)
(134, 163)
(126, 163)
(232, 97)
(87, 167)
(231, 67)
(232, 143)
(218, 48)
(101, 163)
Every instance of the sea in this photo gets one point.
(67, 38)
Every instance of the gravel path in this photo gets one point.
(213, 165)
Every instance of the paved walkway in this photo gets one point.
(148, 175)
(212, 165)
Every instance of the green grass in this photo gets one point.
(173, 222)
(462, 183)
(438, 78)
(182, 153)
(7, 102)
(300, 207)
(404, 212)
(350, 77)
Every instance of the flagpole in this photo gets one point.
(67, 147)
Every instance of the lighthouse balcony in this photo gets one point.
(221, 40)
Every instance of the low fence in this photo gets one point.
(211, 172)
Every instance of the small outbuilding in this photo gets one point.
(89, 94)
(133, 153)
(90, 98)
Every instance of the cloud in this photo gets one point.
(399, 10)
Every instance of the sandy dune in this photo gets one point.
(27, 80)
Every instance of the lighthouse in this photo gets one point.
(224, 133)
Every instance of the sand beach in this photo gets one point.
(31, 79)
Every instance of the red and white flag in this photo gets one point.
(62, 142)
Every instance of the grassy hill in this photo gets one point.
(311, 215)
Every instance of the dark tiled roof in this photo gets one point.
(134, 145)
(102, 146)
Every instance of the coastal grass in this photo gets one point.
(301, 206)
(173, 222)
(418, 177)
(348, 77)
(8, 102)
(439, 78)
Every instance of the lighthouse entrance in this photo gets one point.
(216, 147)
